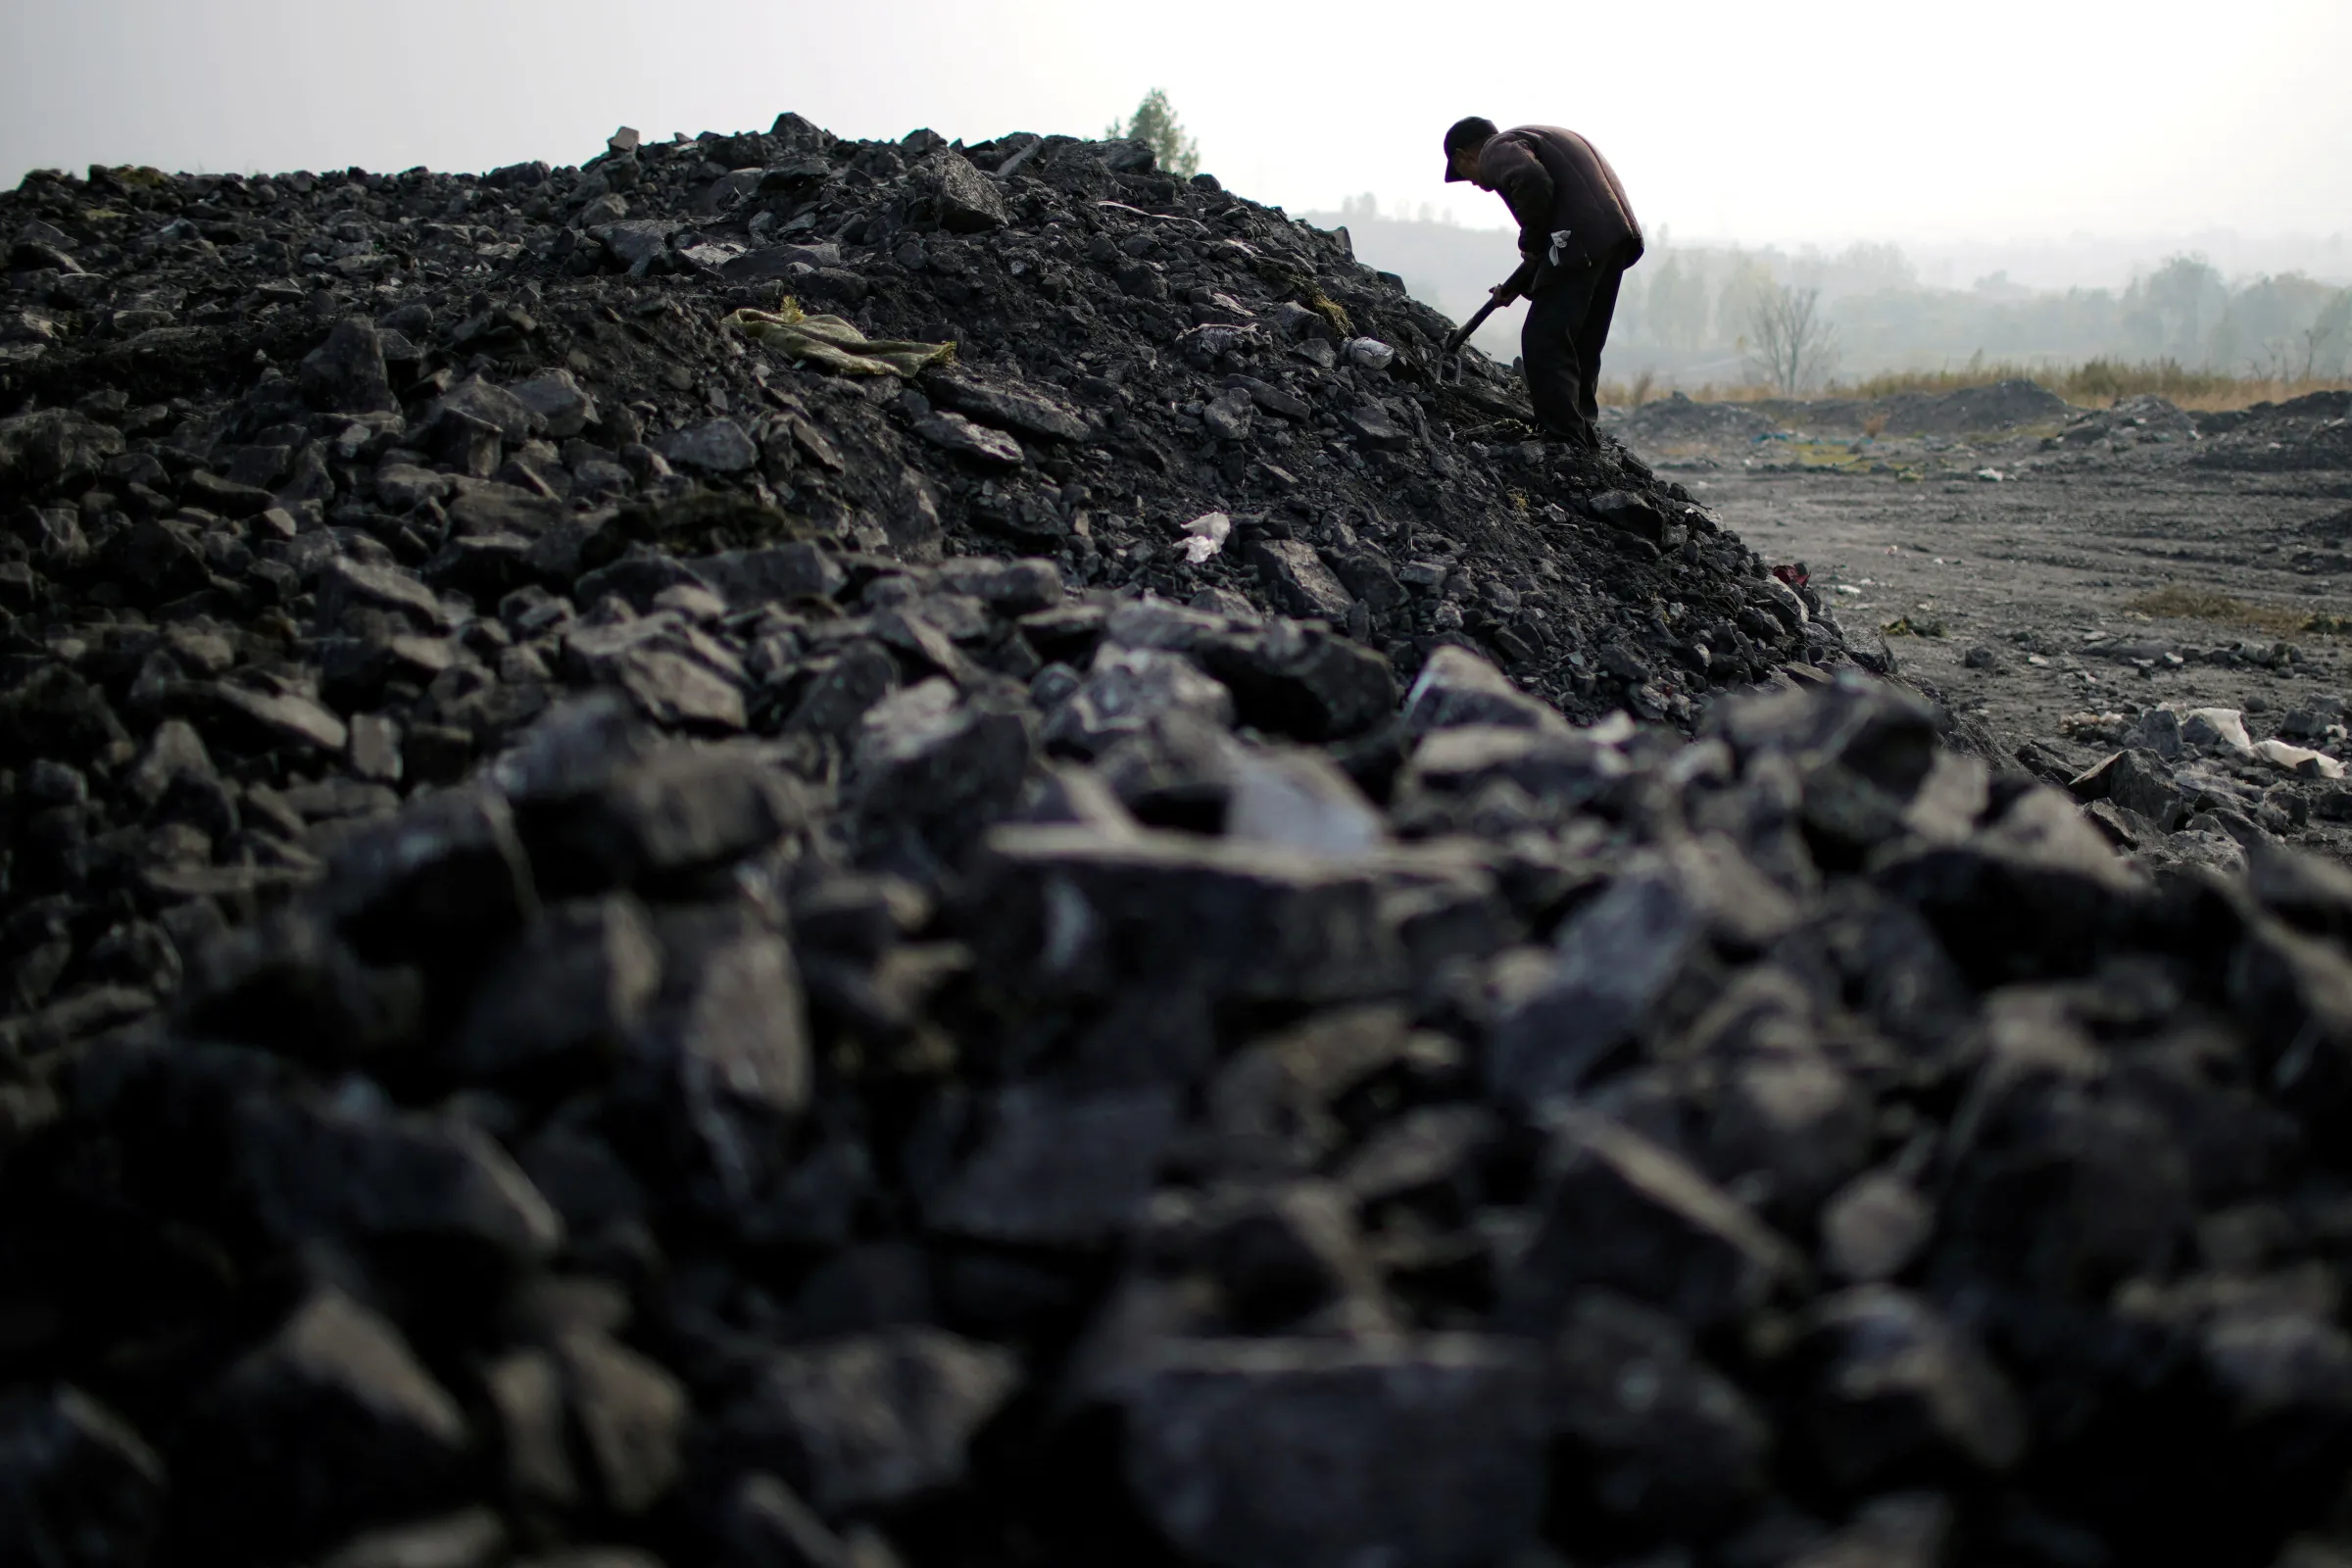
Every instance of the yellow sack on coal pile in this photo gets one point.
(832, 344)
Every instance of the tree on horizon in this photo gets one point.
(1155, 125)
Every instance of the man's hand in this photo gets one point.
(1515, 285)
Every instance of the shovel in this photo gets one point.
(1499, 295)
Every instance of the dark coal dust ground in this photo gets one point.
(2056, 573)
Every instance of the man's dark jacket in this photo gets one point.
(1554, 179)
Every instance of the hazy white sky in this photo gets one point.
(1787, 121)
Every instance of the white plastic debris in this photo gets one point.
(2299, 760)
(1991, 475)
(1208, 532)
(1371, 353)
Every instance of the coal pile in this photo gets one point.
(2145, 419)
(2300, 434)
(1677, 422)
(2312, 431)
(619, 951)
(1964, 411)
(468, 371)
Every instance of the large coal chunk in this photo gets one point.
(1622, 1213)
(637, 580)
(76, 1484)
(1660, 1446)
(570, 993)
(269, 720)
(2035, 892)
(1127, 691)
(330, 1423)
(1457, 687)
(1898, 1392)
(1274, 1108)
(346, 585)
(1295, 576)
(631, 1416)
(2069, 1180)
(1058, 1170)
(1881, 734)
(52, 450)
(1627, 962)
(403, 1181)
(469, 1537)
(968, 200)
(291, 985)
(446, 874)
(2282, 1375)
(928, 759)
(56, 713)
(1021, 410)
(746, 578)
(844, 690)
(1070, 910)
(872, 1419)
(2297, 991)
(674, 673)
(766, 1525)
(1303, 681)
(346, 374)
(1563, 772)
(730, 1026)
(1284, 1257)
(1313, 1453)
(655, 819)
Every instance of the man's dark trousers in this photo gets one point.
(1567, 323)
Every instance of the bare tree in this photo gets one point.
(2315, 338)
(2271, 364)
(1790, 344)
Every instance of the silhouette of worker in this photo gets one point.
(1576, 236)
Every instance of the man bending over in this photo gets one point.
(1576, 236)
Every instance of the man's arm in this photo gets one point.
(1519, 175)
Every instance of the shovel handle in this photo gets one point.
(1461, 334)
(1499, 295)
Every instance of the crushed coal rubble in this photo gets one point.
(1166, 941)
(2193, 784)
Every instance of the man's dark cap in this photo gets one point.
(1466, 132)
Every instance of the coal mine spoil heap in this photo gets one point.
(1163, 940)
